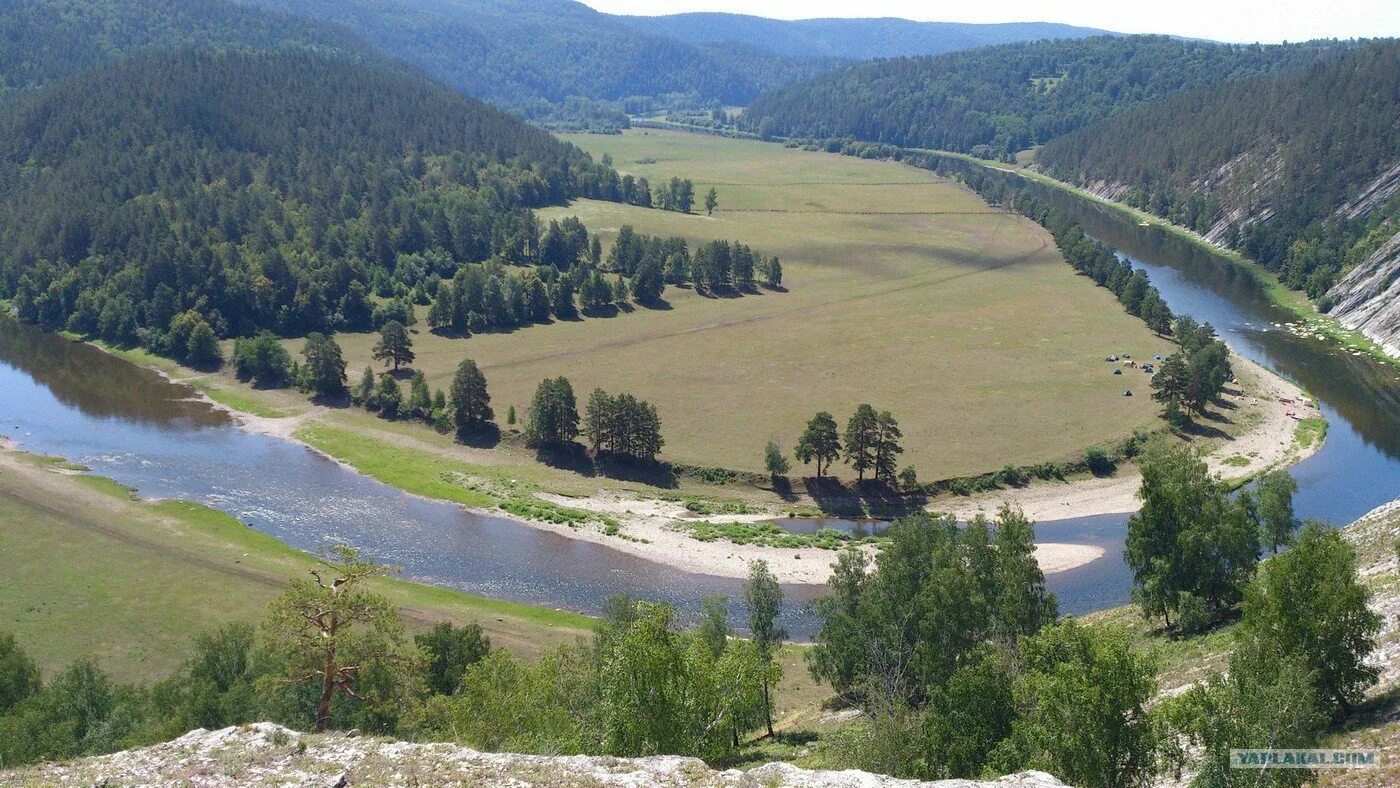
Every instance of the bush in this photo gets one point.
(263, 360)
(1098, 461)
(1193, 615)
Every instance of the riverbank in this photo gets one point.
(92, 570)
(1261, 423)
(1311, 321)
(1256, 427)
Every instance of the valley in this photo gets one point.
(409, 392)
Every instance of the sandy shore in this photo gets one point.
(655, 531)
(1270, 408)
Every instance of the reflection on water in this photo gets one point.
(59, 397)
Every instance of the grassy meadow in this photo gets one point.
(903, 290)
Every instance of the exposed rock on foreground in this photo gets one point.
(266, 755)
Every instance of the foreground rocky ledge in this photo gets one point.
(265, 754)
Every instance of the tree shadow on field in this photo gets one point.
(656, 474)
(484, 437)
(574, 457)
(870, 497)
(339, 400)
(401, 374)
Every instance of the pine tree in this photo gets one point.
(364, 390)
(468, 400)
(887, 447)
(774, 461)
(711, 202)
(819, 442)
(862, 440)
(394, 346)
(325, 367)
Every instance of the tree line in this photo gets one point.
(1087, 255)
(871, 445)
(953, 649)
(332, 653)
(947, 640)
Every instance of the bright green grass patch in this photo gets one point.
(531, 508)
(1236, 461)
(769, 534)
(1311, 431)
(410, 470)
(237, 400)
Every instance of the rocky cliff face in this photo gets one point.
(1368, 297)
(266, 755)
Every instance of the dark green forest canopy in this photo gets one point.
(45, 40)
(521, 53)
(1291, 148)
(256, 188)
(997, 100)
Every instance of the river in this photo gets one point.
(64, 398)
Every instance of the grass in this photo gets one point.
(960, 320)
(769, 534)
(904, 290)
(91, 571)
(1292, 301)
(408, 469)
(1310, 431)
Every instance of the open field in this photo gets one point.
(962, 321)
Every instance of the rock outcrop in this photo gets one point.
(265, 754)
(1368, 297)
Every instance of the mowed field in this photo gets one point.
(905, 291)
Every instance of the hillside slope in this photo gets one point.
(45, 40)
(1367, 298)
(257, 189)
(995, 101)
(1299, 171)
(854, 39)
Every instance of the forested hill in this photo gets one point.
(522, 52)
(263, 190)
(852, 39)
(1294, 170)
(995, 101)
(44, 40)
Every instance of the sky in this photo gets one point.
(1267, 21)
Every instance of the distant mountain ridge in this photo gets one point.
(524, 54)
(852, 39)
(995, 101)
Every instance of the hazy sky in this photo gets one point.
(1223, 20)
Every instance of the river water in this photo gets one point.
(63, 398)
